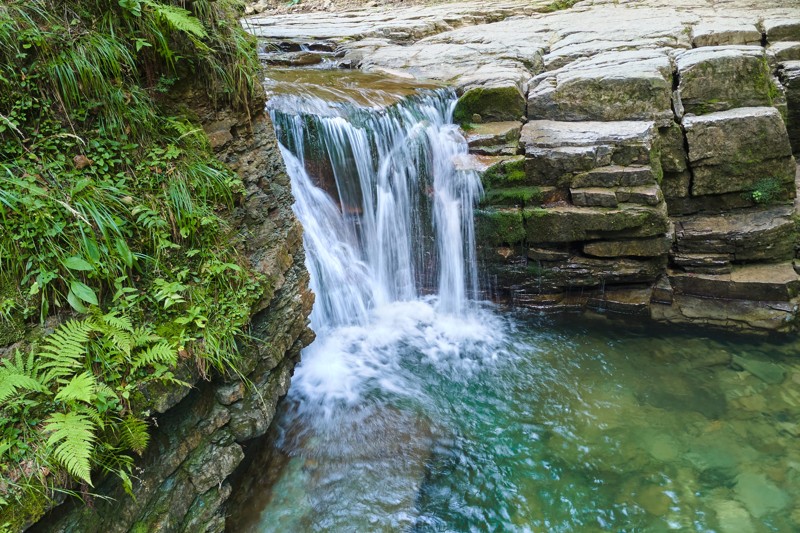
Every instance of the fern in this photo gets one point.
(65, 349)
(72, 437)
(161, 352)
(134, 434)
(178, 18)
(19, 374)
(82, 387)
(118, 329)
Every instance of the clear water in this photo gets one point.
(417, 409)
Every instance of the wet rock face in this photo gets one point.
(182, 480)
(625, 158)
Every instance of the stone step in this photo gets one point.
(702, 263)
(743, 315)
(494, 138)
(784, 51)
(772, 282)
(746, 235)
(644, 195)
(782, 28)
(602, 197)
(615, 176)
(555, 152)
(570, 223)
(719, 31)
(738, 150)
(614, 85)
(651, 247)
(718, 78)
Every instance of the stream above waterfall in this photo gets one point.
(422, 408)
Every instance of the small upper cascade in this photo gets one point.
(387, 215)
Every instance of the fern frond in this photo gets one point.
(178, 18)
(118, 329)
(82, 387)
(19, 373)
(160, 352)
(72, 438)
(65, 349)
(11, 383)
(121, 323)
(141, 336)
(134, 434)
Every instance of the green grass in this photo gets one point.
(114, 213)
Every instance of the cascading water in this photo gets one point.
(390, 247)
(405, 213)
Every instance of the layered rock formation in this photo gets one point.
(201, 433)
(636, 156)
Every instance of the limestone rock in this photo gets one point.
(784, 51)
(675, 185)
(702, 263)
(569, 223)
(746, 235)
(630, 247)
(581, 271)
(782, 29)
(771, 282)
(615, 176)
(593, 197)
(733, 150)
(547, 254)
(643, 195)
(743, 315)
(672, 147)
(718, 78)
(790, 76)
(494, 138)
(555, 151)
(725, 31)
(611, 86)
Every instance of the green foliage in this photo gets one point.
(114, 210)
(60, 401)
(766, 191)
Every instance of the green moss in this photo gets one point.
(522, 196)
(26, 511)
(492, 104)
(499, 227)
(506, 172)
(12, 308)
(558, 5)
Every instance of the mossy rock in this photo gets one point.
(491, 103)
(514, 196)
(12, 324)
(499, 227)
(571, 224)
(507, 173)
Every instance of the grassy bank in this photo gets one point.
(117, 259)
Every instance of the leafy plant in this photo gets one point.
(765, 191)
(115, 213)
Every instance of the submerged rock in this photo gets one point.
(768, 372)
(759, 495)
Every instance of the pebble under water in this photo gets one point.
(419, 409)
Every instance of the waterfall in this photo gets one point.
(387, 216)
(390, 247)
